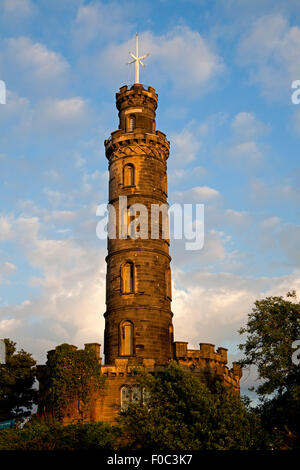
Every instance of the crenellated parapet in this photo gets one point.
(122, 367)
(138, 102)
(208, 362)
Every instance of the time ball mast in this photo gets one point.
(137, 60)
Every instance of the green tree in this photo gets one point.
(272, 327)
(17, 377)
(38, 435)
(182, 413)
(74, 379)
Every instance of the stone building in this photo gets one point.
(138, 317)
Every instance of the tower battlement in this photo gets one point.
(137, 108)
(208, 361)
(136, 94)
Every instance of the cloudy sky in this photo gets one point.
(223, 71)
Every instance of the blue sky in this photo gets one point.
(223, 71)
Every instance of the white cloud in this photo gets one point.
(221, 299)
(6, 269)
(181, 57)
(6, 232)
(184, 148)
(61, 216)
(52, 175)
(79, 161)
(44, 63)
(8, 326)
(62, 114)
(72, 283)
(243, 148)
(16, 10)
(101, 22)
(181, 174)
(41, 69)
(280, 237)
(246, 126)
(270, 222)
(16, 107)
(54, 197)
(236, 218)
(198, 194)
(271, 49)
(248, 152)
(280, 193)
(27, 229)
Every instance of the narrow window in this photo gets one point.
(128, 175)
(132, 122)
(168, 284)
(125, 225)
(126, 338)
(165, 184)
(127, 278)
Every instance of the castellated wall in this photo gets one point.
(206, 363)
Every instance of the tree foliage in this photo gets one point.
(17, 377)
(74, 379)
(182, 413)
(273, 326)
(39, 435)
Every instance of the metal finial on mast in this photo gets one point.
(137, 59)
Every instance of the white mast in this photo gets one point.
(137, 59)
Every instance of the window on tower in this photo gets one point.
(168, 284)
(126, 338)
(165, 184)
(132, 123)
(128, 175)
(127, 278)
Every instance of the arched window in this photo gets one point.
(128, 175)
(132, 394)
(168, 284)
(126, 338)
(132, 122)
(125, 397)
(127, 278)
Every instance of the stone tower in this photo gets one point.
(138, 318)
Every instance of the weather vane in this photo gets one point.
(137, 59)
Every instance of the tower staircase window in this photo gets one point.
(132, 123)
(127, 278)
(168, 284)
(126, 338)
